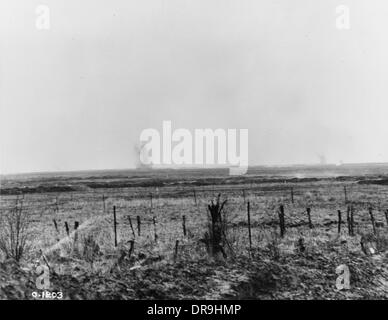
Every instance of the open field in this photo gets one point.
(166, 257)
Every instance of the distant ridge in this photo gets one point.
(186, 169)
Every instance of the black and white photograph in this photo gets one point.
(215, 151)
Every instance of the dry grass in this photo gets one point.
(91, 249)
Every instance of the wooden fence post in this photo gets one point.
(352, 220)
(348, 220)
(76, 225)
(249, 229)
(67, 228)
(103, 201)
(184, 225)
(138, 225)
(55, 225)
(115, 224)
(346, 195)
(155, 234)
(131, 248)
(339, 221)
(292, 194)
(176, 250)
(309, 217)
(75, 244)
(386, 216)
(281, 220)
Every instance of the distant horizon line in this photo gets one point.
(196, 168)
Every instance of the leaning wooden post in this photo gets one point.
(55, 225)
(130, 224)
(339, 221)
(249, 229)
(184, 225)
(372, 219)
(281, 220)
(138, 225)
(309, 217)
(67, 228)
(115, 224)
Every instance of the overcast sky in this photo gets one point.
(77, 96)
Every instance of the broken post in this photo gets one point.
(115, 224)
(281, 220)
(372, 219)
(339, 221)
(249, 229)
(76, 225)
(184, 225)
(309, 217)
(215, 237)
